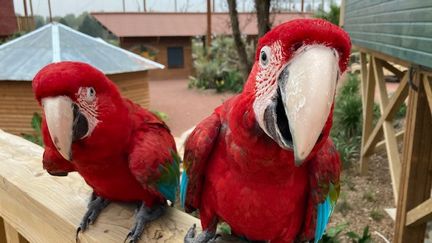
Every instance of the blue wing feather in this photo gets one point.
(324, 211)
(168, 182)
(183, 188)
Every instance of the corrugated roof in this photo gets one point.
(183, 24)
(22, 58)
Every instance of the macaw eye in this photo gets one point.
(264, 58)
(91, 94)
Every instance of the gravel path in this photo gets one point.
(185, 107)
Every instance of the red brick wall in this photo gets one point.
(159, 46)
(8, 21)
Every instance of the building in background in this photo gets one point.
(23, 57)
(8, 19)
(167, 37)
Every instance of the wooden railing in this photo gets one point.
(37, 207)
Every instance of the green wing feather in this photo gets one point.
(168, 182)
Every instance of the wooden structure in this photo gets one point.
(8, 20)
(40, 208)
(388, 33)
(167, 37)
(18, 66)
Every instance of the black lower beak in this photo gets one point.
(58, 173)
(80, 124)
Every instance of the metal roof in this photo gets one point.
(22, 58)
(150, 24)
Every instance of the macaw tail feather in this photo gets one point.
(183, 188)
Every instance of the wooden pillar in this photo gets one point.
(208, 37)
(2, 231)
(415, 187)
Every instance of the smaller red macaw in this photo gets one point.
(263, 162)
(124, 152)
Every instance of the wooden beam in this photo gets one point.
(428, 90)
(394, 104)
(368, 94)
(2, 231)
(392, 69)
(12, 236)
(48, 209)
(383, 56)
(420, 214)
(415, 187)
(389, 133)
(381, 144)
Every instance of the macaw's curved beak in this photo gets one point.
(306, 88)
(65, 122)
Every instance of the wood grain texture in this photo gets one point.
(399, 28)
(47, 209)
(415, 187)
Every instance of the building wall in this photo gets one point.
(397, 28)
(17, 102)
(8, 20)
(158, 46)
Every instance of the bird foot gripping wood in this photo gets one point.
(203, 237)
(95, 206)
(143, 216)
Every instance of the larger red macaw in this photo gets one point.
(124, 152)
(263, 162)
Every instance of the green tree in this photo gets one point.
(39, 21)
(332, 15)
(91, 27)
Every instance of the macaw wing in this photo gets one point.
(198, 147)
(154, 162)
(324, 172)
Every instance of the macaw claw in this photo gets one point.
(95, 206)
(143, 216)
(203, 237)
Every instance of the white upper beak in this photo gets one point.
(308, 95)
(59, 118)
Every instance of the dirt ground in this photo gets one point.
(364, 198)
(185, 107)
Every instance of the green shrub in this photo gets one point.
(217, 68)
(347, 120)
(36, 137)
(333, 235)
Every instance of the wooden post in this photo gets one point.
(2, 231)
(415, 187)
(302, 6)
(144, 6)
(342, 13)
(49, 9)
(368, 92)
(208, 37)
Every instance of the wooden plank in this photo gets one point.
(12, 236)
(412, 44)
(392, 69)
(420, 214)
(395, 102)
(389, 133)
(382, 7)
(368, 85)
(406, 15)
(48, 209)
(415, 186)
(2, 231)
(421, 30)
(381, 145)
(428, 90)
(383, 56)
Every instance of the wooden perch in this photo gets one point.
(43, 208)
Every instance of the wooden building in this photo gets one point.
(167, 37)
(389, 33)
(22, 58)
(8, 20)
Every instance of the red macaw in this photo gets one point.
(263, 162)
(124, 152)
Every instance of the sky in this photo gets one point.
(63, 7)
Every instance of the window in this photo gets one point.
(175, 57)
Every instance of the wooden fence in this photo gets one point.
(37, 207)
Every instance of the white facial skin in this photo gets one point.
(61, 118)
(305, 86)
